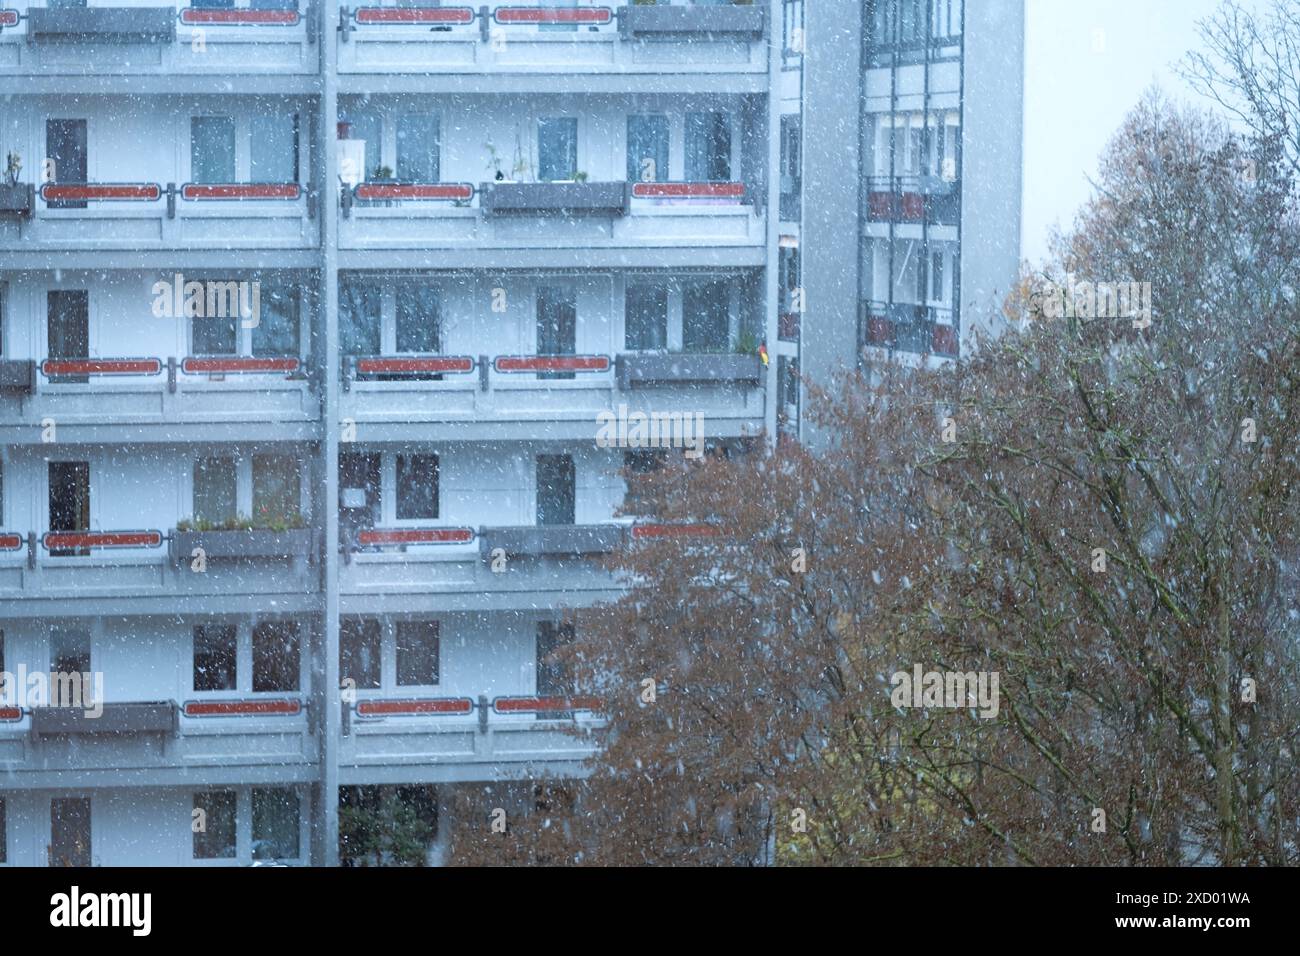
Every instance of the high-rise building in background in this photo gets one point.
(328, 335)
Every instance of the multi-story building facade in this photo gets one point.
(311, 318)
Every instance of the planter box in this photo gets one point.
(550, 540)
(745, 22)
(145, 717)
(101, 25)
(17, 200)
(17, 376)
(560, 199)
(295, 543)
(639, 369)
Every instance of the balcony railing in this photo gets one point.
(620, 36)
(189, 39)
(906, 327)
(913, 199)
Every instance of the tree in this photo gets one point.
(1098, 510)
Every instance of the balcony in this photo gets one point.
(154, 39)
(905, 327)
(120, 571)
(16, 200)
(914, 199)
(554, 541)
(613, 216)
(461, 739)
(508, 396)
(149, 717)
(555, 199)
(156, 395)
(445, 568)
(620, 38)
(158, 743)
(143, 215)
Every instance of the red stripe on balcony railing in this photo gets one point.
(944, 339)
(446, 192)
(879, 331)
(551, 363)
(11, 713)
(548, 15)
(205, 365)
(85, 192)
(280, 707)
(8, 18)
(425, 15)
(443, 705)
(228, 17)
(200, 191)
(9, 541)
(688, 190)
(542, 705)
(907, 207)
(380, 536)
(415, 364)
(648, 531)
(66, 540)
(53, 368)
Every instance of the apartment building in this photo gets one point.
(310, 316)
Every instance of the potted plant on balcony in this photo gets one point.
(15, 197)
(267, 535)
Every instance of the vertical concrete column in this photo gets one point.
(330, 430)
(832, 198)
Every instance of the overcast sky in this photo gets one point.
(1086, 63)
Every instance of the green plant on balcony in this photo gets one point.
(13, 166)
(264, 521)
(382, 174)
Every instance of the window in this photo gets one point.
(360, 309)
(275, 823)
(216, 334)
(417, 653)
(69, 650)
(67, 314)
(417, 486)
(212, 149)
(369, 128)
(556, 493)
(705, 307)
(277, 328)
(69, 483)
(557, 325)
(275, 656)
(213, 4)
(359, 490)
(66, 147)
(417, 148)
(791, 168)
(647, 148)
(552, 676)
(937, 286)
(273, 148)
(708, 147)
(214, 827)
(646, 315)
(4, 314)
(277, 493)
(359, 642)
(4, 843)
(557, 149)
(215, 484)
(70, 832)
(215, 656)
(419, 317)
